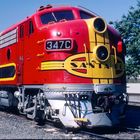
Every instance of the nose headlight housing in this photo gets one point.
(99, 25)
(102, 53)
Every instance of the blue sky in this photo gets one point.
(12, 11)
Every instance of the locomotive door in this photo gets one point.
(20, 54)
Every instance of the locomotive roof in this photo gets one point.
(50, 8)
(42, 9)
(62, 7)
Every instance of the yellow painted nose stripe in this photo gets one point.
(81, 68)
(97, 39)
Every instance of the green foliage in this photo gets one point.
(129, 28)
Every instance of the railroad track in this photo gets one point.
(81, 132)
(133, 129)
(86, 133)
(91, 134)
(111, 134)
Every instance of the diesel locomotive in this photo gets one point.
(64, 64)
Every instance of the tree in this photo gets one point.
(129, 28)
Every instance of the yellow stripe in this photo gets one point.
(52, 65)
(7, 65)
(9, 78)
(104, 71)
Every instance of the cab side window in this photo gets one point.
(21, 34)
(31, 27)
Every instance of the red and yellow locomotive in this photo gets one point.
(65, 64)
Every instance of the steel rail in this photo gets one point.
(94, 135)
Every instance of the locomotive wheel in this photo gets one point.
(40, 116)
(30, 115)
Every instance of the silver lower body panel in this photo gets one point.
(76, 104)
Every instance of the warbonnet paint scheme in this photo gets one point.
(64, 64)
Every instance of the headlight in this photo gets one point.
(99, 25)
(102, 53)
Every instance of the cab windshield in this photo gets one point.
(56, 16)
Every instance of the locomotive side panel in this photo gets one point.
(29, 53)
(8, 56)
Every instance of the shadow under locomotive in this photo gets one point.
(132, 119)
